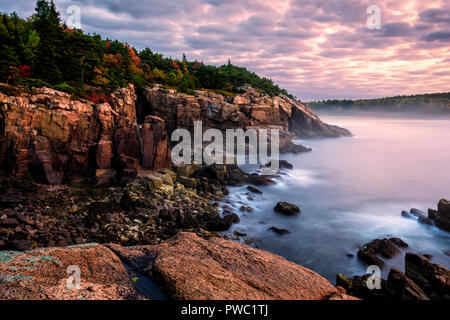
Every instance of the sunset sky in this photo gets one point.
(316, 49)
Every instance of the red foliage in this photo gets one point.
(108, 45)
(97, 98)
(25, 71)
(175, 65)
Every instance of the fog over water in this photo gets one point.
(352, 190)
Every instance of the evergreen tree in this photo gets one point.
(47, 25)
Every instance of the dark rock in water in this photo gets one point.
(219, 224)
(282, 164)
(425, 220)
(417, 212)
(291, 147)
(385, 247)
(442, 216)
(260, 180)
(286, 208)
(447, 252)
(254, 190)
(428, 256)
(399, 242)
(369, 257)
(358, 287)
(232, 217)
(434, 279)
(279, 231)
(400, 287)
(422, 280)
(239, 234)
(350, 255)
(406, 214)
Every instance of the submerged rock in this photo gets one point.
(254, 190)
(279, 231)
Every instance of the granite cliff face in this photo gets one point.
(246, 110)
(56, 139)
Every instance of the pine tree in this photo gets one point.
(47, 24)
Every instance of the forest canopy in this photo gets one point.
(42, 51)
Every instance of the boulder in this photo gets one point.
(387, 248)
(191, 268)
(287, 208)
(43, 274)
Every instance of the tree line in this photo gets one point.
(431, 101)
(42, 51)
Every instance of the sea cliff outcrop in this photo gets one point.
(54, 138)
(185, 267)
(247, 110)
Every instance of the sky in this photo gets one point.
(316, 49)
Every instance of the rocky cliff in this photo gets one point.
(55, 139)
(246, 110)
(186, 267)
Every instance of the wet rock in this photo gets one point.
(442, 216)
(425, 220)
(279, 231)
(232, 217)
(291, 147)
(406, 214)
(399, 242)
(417, 212)
(259, 180)
(219, 224)
(254, 190)
(422, 280)
(400, 287)
(385, 247)
(432, 278)
(239, 234)
(286, 208)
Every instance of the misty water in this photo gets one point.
(352, 190)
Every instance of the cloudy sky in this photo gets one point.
(316, 49)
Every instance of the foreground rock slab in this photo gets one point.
(185, 267)
(42, 275)
(189, 267)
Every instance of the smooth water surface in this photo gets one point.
(352, 190)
